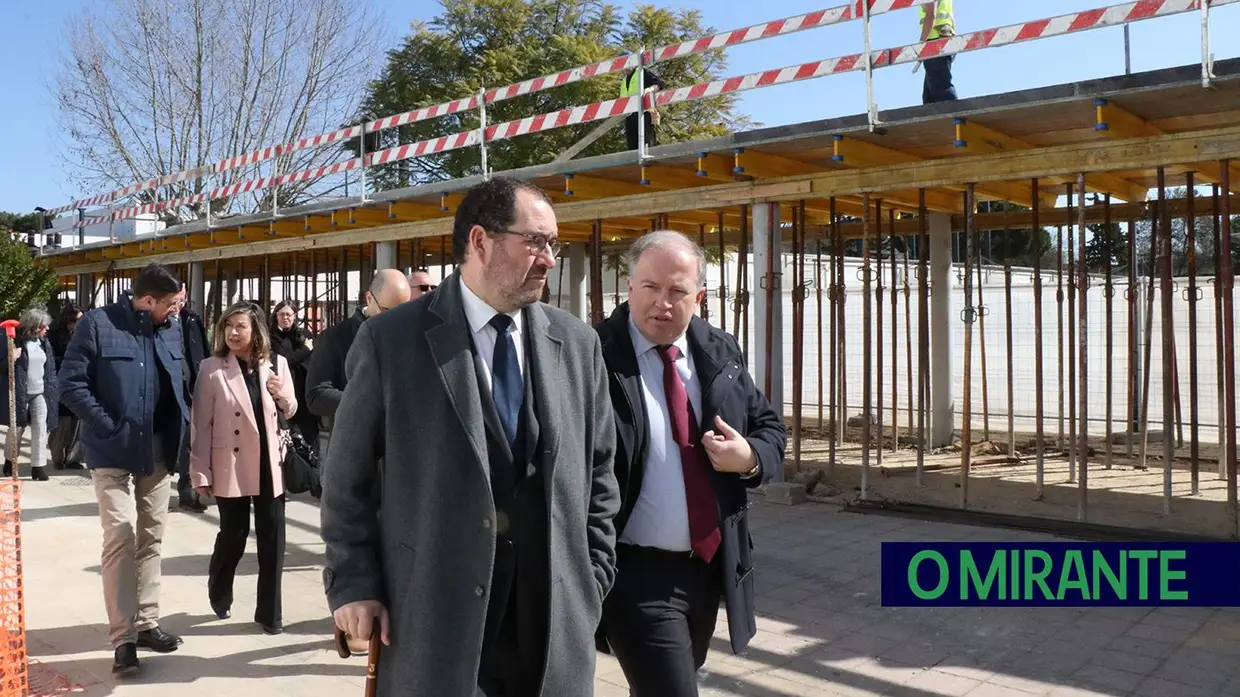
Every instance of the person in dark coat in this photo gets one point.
(197, 348)
(63, 445)
(34, 374)
(289, 339)
(488, 574)
(693, 435)
(325, 377)
(124, 377)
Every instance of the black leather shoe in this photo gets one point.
(273, 629)
(38, 474)
(220, 610)
(156, 639)
(126, 660)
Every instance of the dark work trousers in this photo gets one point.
(660, 617)
(230, 546)
(938, 85)
(630, 130)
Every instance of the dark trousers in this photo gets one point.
(230, 546)
(630, 130)
(938, 85)
(659, 619)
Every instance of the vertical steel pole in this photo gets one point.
(1220, 355)
(798, 327)
(1082, 450)
(966, 438)
(723, 276)
(908, 334)
(1059, 298)
(1039, 435)
(836, 426)
(1168, 386)
(1227, 276)
(1109, 252)
(895, 347)
(1192, 292)
(923, 331)
(1134, 344)
(871, 107)
(878, 301)
(1072, 348)
(482, 132)
(641, 106)
(982, 310)
(867, 300)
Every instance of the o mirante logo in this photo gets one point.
(1060, 573)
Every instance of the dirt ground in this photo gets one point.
(1123, 495)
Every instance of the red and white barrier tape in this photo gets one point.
(987, 38)
(757, 32)
(779, 27)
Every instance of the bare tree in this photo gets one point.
(153, 87)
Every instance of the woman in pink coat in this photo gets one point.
(235, 455)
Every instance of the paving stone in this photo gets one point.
(823, 630)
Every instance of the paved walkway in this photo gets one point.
(822, 631)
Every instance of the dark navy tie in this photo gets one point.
(506, 383)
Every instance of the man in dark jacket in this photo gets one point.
(194, 335)
(123, 375)
(325, 378)
(693, 435)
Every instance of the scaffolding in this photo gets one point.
(894, 211)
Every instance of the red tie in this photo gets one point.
(699, 493)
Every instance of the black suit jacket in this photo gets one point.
(727, 391)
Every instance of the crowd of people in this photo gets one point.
(505, 489)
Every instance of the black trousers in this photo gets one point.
(938, 85)
(230, 546)
(659, 619)
(630, 130)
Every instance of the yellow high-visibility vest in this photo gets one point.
(943, 17)
(628, 86)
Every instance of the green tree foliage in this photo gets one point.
(1019, 247)
(24, 282)
(476, 44)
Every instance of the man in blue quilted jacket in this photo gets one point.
(123, 377)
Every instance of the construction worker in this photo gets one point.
(628, 88)
(937, 21)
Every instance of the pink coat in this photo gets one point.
(224, 441)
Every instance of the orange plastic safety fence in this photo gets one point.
(13, 670)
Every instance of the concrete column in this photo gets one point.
(578, 276)
(768, 301)
(85, 291)
(385, 255)
(942, 379)
(196, 286)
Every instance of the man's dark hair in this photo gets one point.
(155, 280)
(491, 204)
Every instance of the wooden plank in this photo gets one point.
(1165, 150)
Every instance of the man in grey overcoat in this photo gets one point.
(469, 497)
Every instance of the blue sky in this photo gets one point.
(32, 32)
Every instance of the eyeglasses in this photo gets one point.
(536, 243)
(426, 287)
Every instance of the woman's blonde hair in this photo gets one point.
(260, 340)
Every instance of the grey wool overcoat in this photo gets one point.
(410, 431)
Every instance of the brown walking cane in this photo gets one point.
(372, 655)
(10, 331)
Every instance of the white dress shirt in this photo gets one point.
(478, 313)
(660, 516)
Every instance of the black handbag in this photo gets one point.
(301, 463)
